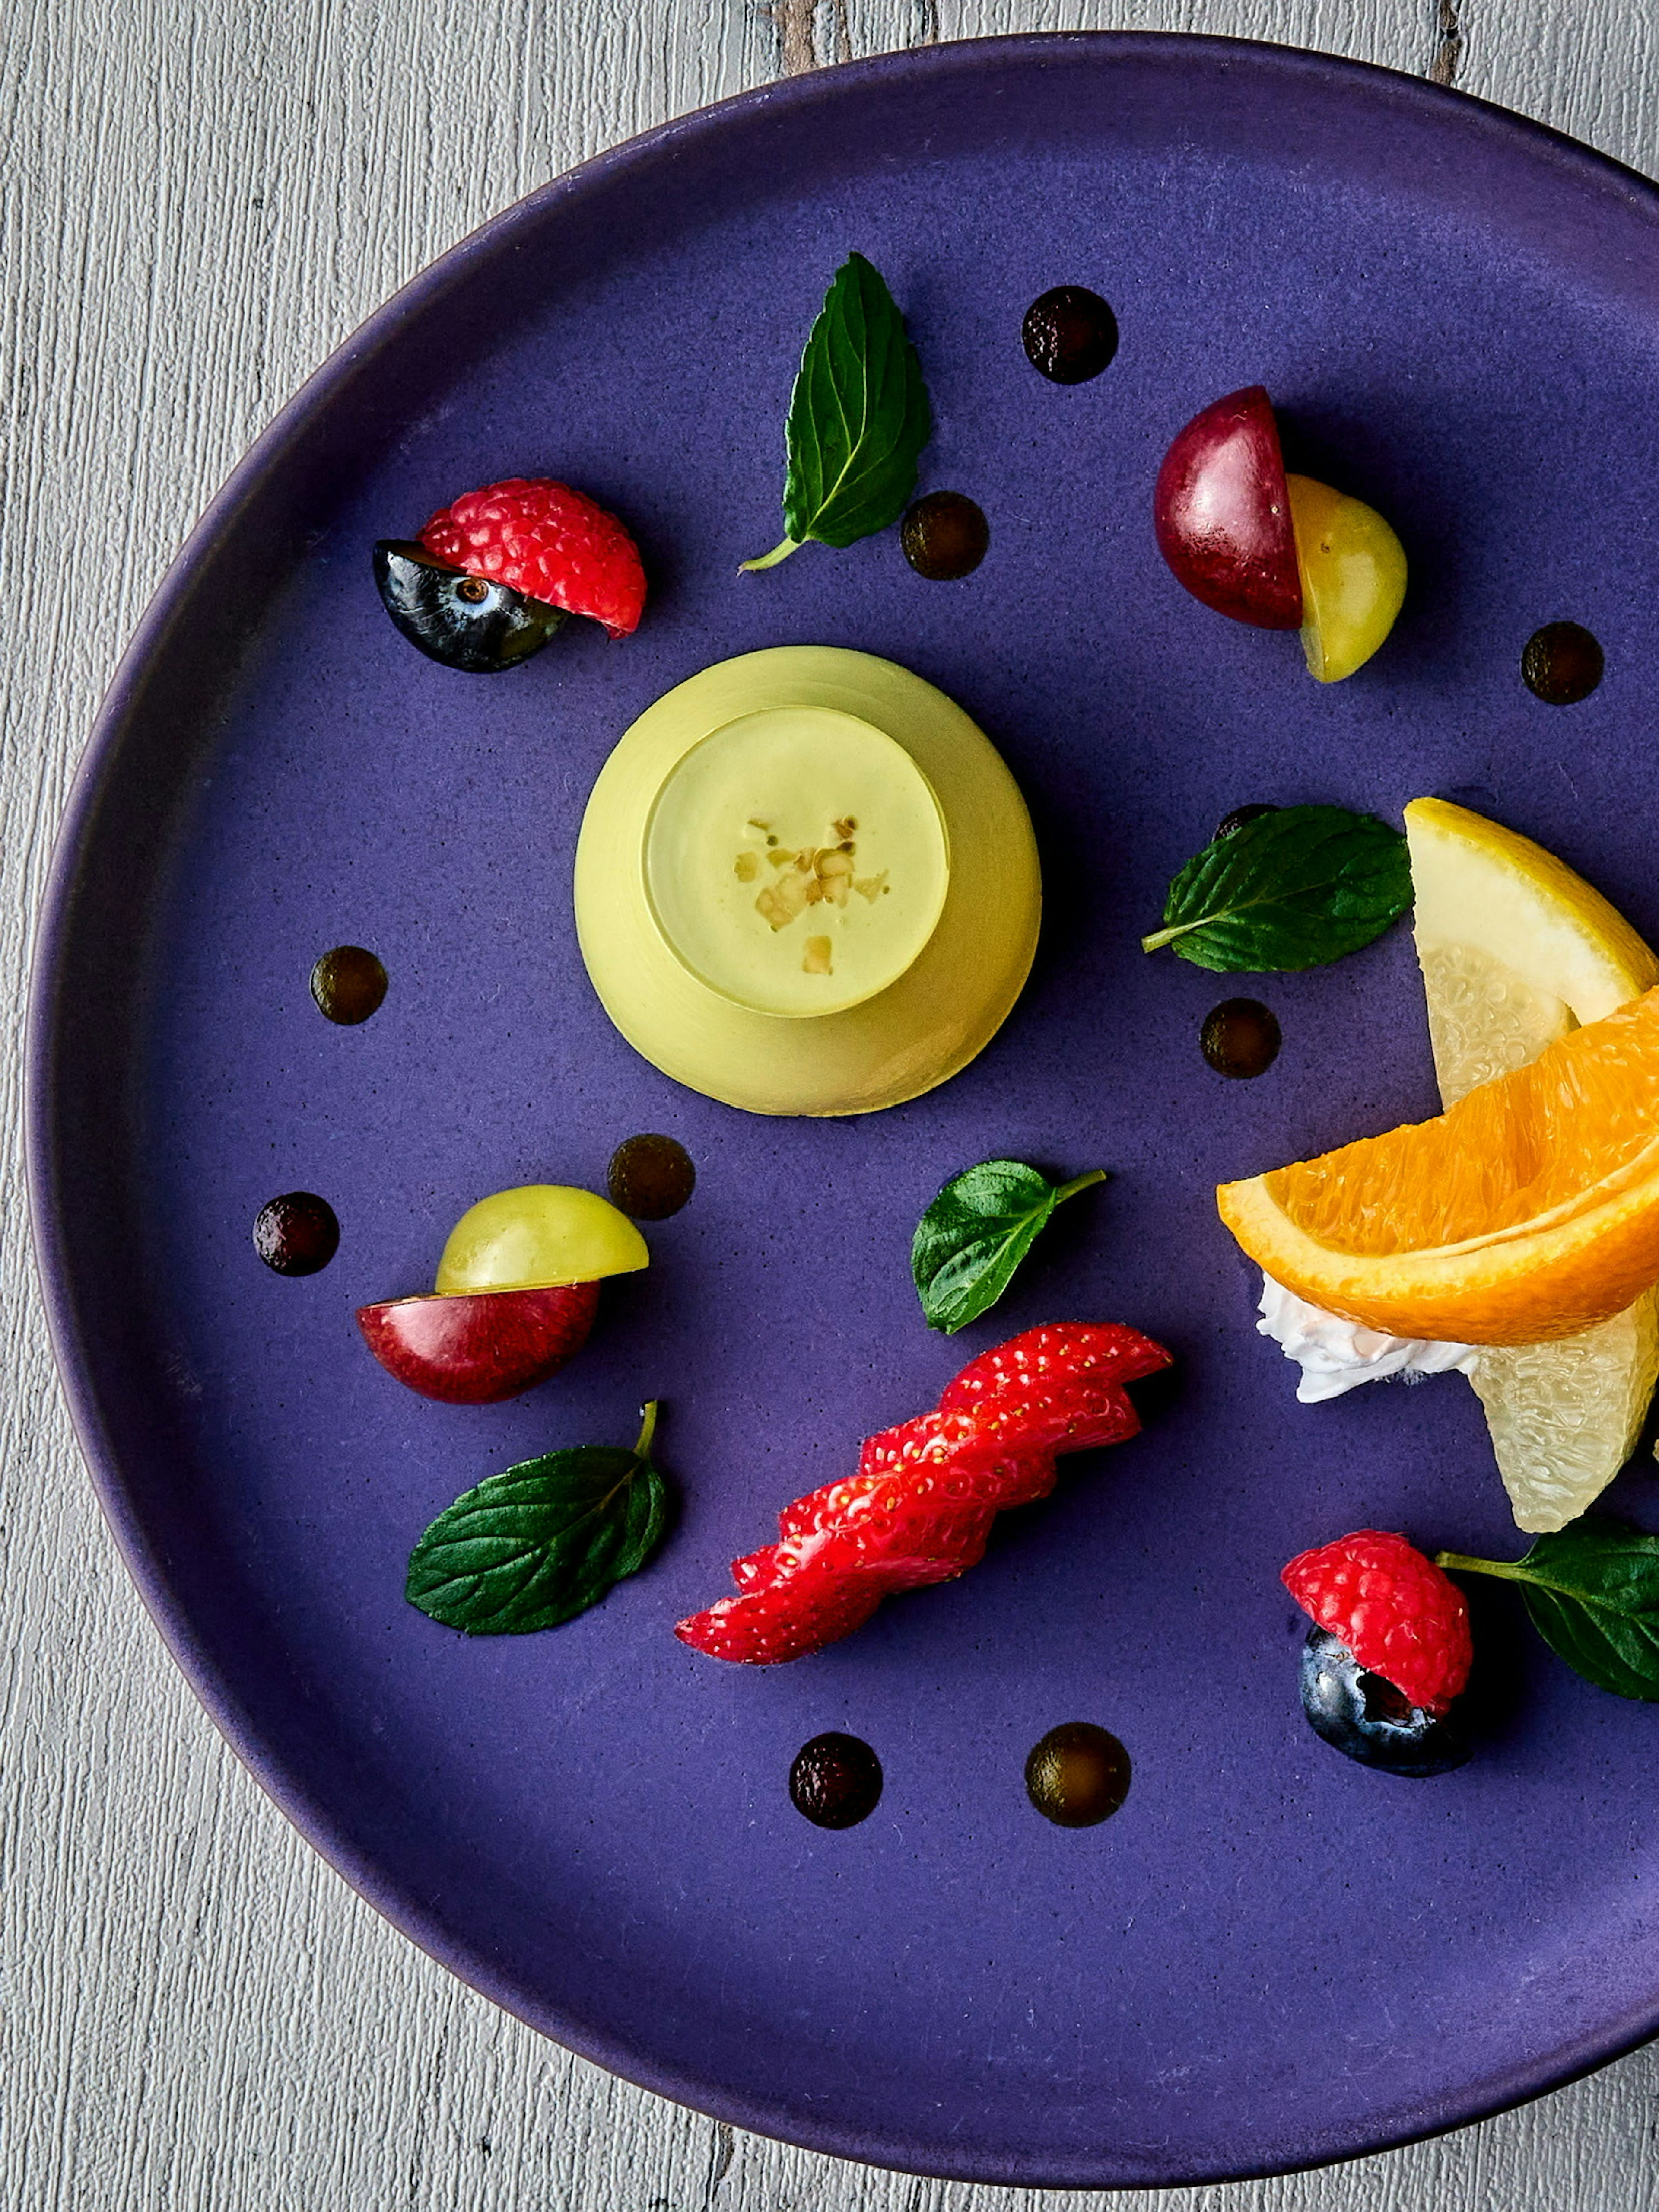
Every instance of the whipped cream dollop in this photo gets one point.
(1335, 1355)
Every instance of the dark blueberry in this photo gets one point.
(1077, 1775)
(835, 1780)
(1239, 816)
(1360, 1715)
(1070, 334)
(347, 984)
(1240, 1037)
(465, 621)
(297, 1233)
(650, 1177)
(944, 536)
(1562, 663)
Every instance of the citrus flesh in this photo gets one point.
(1528, 1211)
(1516, 949)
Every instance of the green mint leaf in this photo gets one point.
(976, 1233)
(1292, 888)
(1593, 1591)
(858, 419)
(531, 1548)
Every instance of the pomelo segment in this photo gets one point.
(1515, 949)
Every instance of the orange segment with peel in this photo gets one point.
(1525, 1212)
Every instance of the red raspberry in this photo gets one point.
(1400, 1616)
(548, 542)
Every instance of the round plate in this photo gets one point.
(1269, 1956)
(948, 1004)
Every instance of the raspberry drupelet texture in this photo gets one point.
(1401, 1616)
(548, 542)
(921, 1506)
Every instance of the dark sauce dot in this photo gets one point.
(1070, 334)
(297, 1233)
(650, 1177)
(1240, 1037)
(1562, 663)
(836, 1781)
(1238, 817)
(944, 536)
(1078, 1774)
(347, 984)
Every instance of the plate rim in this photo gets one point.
(75, 1361)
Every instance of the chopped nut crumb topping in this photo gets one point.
(809, 876)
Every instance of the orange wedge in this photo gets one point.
(1527, 1211)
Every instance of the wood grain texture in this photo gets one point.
(198, 199)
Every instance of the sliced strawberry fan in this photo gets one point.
(920, 1507)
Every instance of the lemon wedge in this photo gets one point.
(1517, 949)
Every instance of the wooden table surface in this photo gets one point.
(198, 200)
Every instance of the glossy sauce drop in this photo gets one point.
(650, 1177)
(836, 1781)
(347, 984)
(1240, 1037)
(297, 1233)
(1070, 334)
(1077, 1775)
(944, 536)
(1562, 663)
(1238, 817)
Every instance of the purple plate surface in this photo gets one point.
(1269, 1957)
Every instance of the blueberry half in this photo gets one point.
(465, 622)
(1366, 1718)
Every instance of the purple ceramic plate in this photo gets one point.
(1269, 1957)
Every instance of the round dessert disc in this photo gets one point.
(947, 1003)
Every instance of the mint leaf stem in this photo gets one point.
(780, 552)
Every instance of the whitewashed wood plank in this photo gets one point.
(197, 201)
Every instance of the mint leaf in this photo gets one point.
(857, 418)
(1593, 1591)
(531, 1548)
(976, 1233)
(1294, 888)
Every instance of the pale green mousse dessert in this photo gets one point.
(796, 861)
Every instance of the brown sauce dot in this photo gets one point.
(1239, 816)
(650, 1177)
(1562, 663)
(297, 1233)
(1240, 1037)
(944, 536)
(836, 1781)
(1070, 334)
(1078, 1774)
(347, 984)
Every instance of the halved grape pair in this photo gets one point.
(1276, 551)
(517, 1289)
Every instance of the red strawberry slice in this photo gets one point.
(551, 542)
(978, 1467)
(1056, 1389)
(764, 1627)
